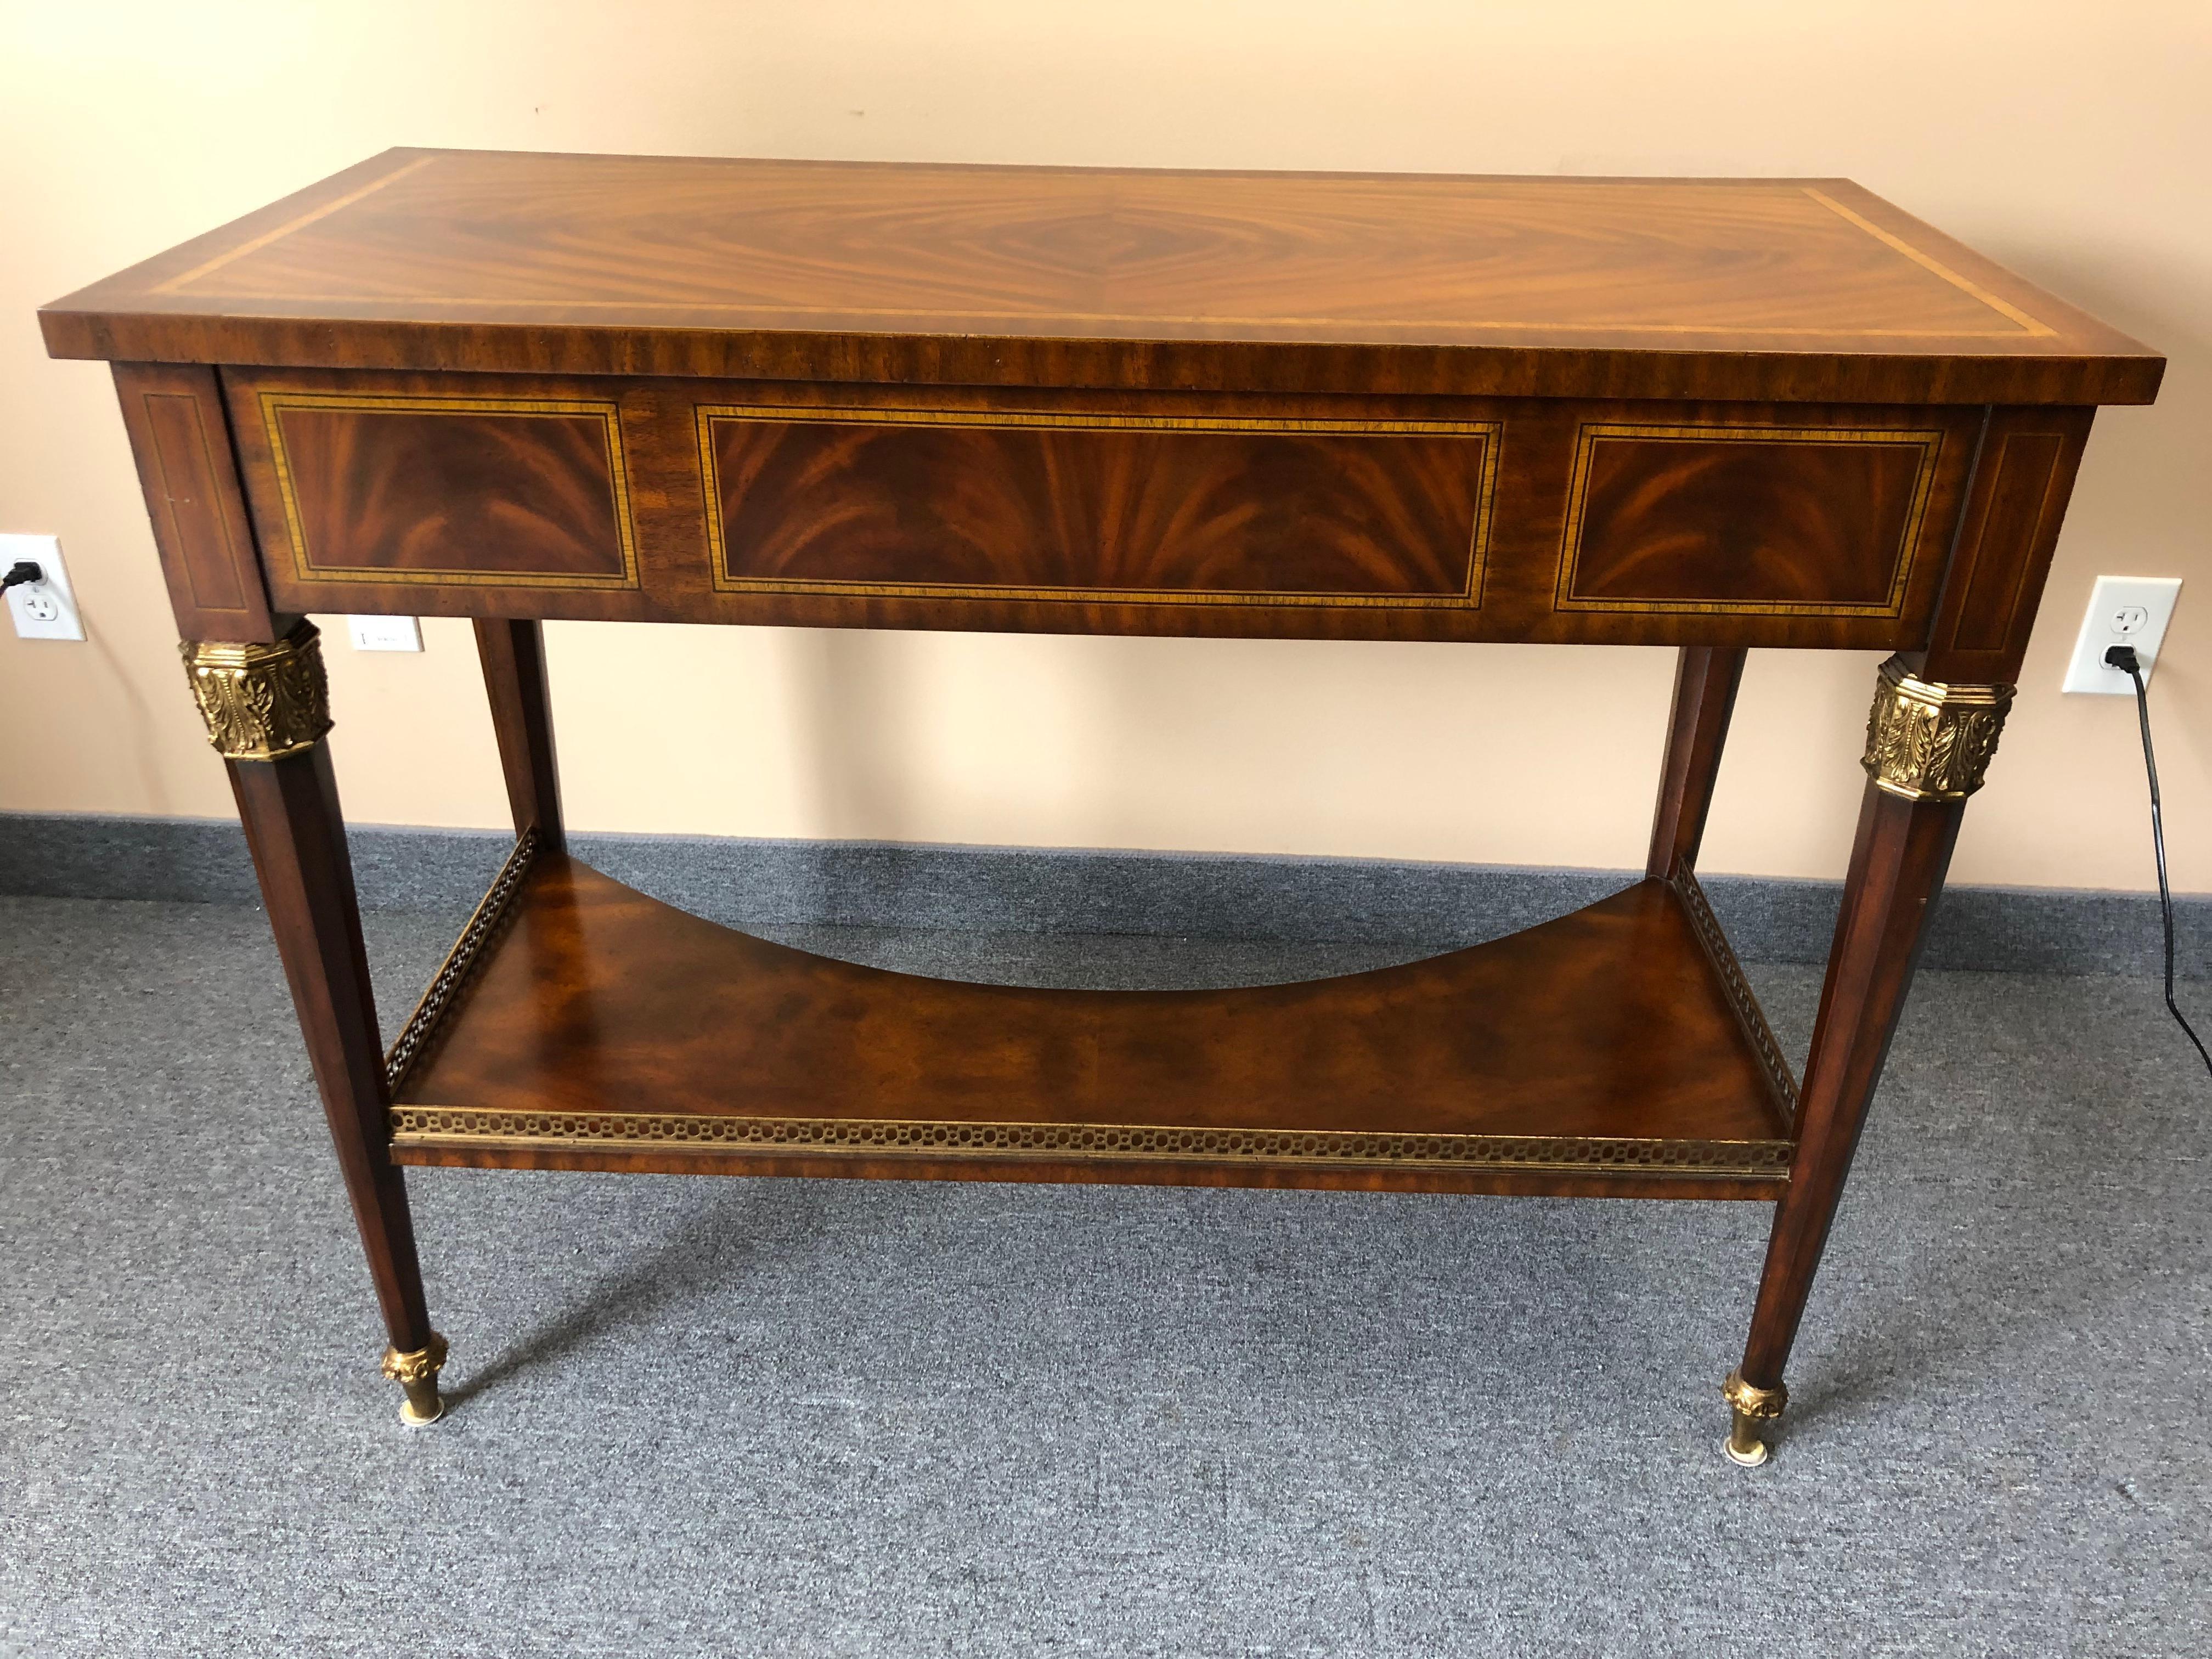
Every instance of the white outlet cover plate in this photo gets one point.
(54, 595)
(384, 632)
(2111, 621)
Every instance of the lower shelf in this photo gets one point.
(583, 1025)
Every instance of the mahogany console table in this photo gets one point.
(1713, 414)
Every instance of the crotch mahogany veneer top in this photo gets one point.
(1787, 289)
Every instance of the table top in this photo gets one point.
(1795, 288)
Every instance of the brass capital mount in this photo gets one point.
(1929, 741)
(261, 701)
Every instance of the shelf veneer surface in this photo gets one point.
(597, 1000)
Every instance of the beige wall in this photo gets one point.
(2070, 142)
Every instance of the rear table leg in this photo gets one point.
(1705, 682)
(513, 657)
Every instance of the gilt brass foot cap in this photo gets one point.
(1750, 1406)
(418, 1373)
(1745, 1449)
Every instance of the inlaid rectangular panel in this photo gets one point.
(2008, 534)
(950, 504)
(451, 491)
(1823, 521)
(174, 413)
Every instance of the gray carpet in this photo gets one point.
(753, 1417)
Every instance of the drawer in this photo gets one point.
(1757, 517)
(1134, 508)
(451, 490)
(883, 507)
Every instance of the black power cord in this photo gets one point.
(20, 572)
(2123, 656)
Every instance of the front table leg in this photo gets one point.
(1928, 746)
(267, 712)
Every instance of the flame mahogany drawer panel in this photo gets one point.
(1147, 508)
(1823, 521)
(367, 486)
(716, 500)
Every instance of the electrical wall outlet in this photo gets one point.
(43, 609)
(2131, 610)
(384, 632)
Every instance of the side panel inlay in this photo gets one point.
(987, 505)
(452, 491)
(184, 461)
(173, 412)
(2022, 502)
(1754, 520)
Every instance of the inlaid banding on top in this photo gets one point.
(1757, 290)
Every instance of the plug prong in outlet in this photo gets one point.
(2130, 611)
(45, 609)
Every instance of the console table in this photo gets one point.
(1713, 414)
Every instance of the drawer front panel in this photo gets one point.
(484, 491)
(1133, 509)
(1817, 521)
(1550, 521)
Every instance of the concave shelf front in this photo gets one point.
(582, 1025)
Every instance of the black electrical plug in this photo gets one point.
(2123, 656)
(23, 571)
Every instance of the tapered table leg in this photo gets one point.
(513, 657)
(1705, 682)
(266, 706)
(1928, 746)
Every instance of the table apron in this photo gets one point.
(751, 503)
